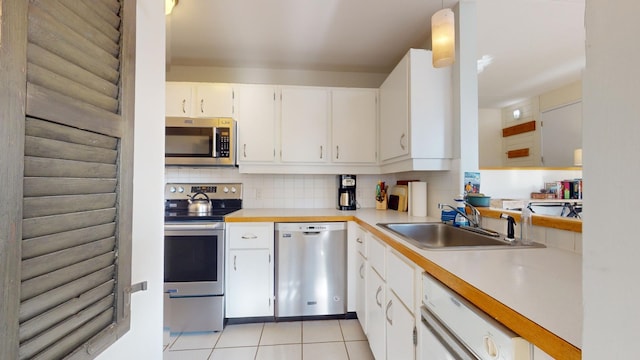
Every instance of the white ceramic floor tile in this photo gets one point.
(351, 330)
(359, 350)
(280, 352)
(202, 354)
(323, 351)
(234, 353)
(321, 331)
(240, 335)
(281, 333)
(198, 340)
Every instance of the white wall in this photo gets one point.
(519, 184)
(275, 76)
(611, 126)
(489, 137)
(144, 340)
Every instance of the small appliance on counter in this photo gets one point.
(346, 192)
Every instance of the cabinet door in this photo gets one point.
(400, 330)
(400, 276)
(256, 116)
(248, 289)
(394, 113)
(304, 125)
(214, 100)
(361, 291)
(375, 307)
(178, 99)
(353, 123)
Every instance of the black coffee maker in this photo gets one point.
(346, 192)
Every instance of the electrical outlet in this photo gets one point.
(258, 194)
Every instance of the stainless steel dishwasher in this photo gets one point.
(311, 269)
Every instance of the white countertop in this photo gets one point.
(544, 285)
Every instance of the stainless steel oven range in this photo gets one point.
(194, 254)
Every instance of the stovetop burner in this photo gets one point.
(225, 198)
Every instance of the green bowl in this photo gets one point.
(480, 201)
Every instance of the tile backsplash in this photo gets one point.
(282, 191)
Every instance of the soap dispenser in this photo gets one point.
(461, 206)
(525, 225)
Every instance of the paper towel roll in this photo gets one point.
(417, 198)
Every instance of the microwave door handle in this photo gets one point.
(214, 150)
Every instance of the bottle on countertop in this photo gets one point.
(526, 231)
(460, 220)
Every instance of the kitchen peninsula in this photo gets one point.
(535, 292)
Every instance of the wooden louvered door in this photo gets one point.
(67, 143)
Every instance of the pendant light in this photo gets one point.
(443, 38)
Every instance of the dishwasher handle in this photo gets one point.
(445, 336)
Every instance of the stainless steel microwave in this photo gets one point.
(200, 142)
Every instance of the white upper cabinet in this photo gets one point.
(304, 124)
(179, 99)
(214, 100)
(353, 125)
(416, 115)
(198, 100)
(256, 116)
(394, 113)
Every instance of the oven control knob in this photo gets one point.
(225, 190)
(233, 189)
(180, 189)
(172, 189)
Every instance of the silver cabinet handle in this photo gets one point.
(401, 138)
(251, 236)
(337, 151)
(235, 257)
(362, 271)
(378, 293)
(386, 314)
(202, 106)
(359, 240)
(244, 150)
(184, 103)
(320, 151)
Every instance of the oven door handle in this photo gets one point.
(195, 226)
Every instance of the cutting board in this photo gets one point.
(401, 192)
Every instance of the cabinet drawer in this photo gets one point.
(401, 278)
(377, 250)
(250, 236)
(361, 241)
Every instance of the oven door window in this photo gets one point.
(189, 141)
(191, 258)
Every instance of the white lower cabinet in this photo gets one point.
(400, 329)
(249, 270)
(375, 305)
(248, 292)
(386, 300)
(361, 291)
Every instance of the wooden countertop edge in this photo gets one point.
(555, 222)
(550, 343)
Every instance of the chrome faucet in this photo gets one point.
(474, 222)
(476, 215)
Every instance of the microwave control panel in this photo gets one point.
(224, 141)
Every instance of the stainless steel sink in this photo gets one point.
(434, 236)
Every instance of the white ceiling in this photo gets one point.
(536, 45)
